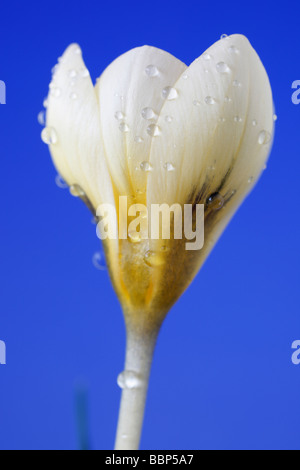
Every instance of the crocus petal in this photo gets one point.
(131, 94)
(212, 150)
(220, 133)
(73, 117)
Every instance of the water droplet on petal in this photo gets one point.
(222, 67)
(134, 236)
(72, 73)
(185, 76)
(275, 117)
(224, 36)
(41, 118)
(227, 99)
(55, 91)
(76, 191)
(49, 135)
(233, 50)
(215, 201)
(84, 73)
(264, 137)
(60, 182)
(237, 119)
(153, 258)
(45, 103)
(146, 166)
(254, 122)
(206, 56)
(123, 127)
(138, 139)
(168, 118)
(98, 260)
(196, 103)
(129, 379)
(77, 50)
(54, 69)
(169, 93)
(73, 96)
(250, 179)
(148, 113)
(151, 71)
(168, 166)
(236, 83)
(119, 115)
(153, 130)
(209, 100)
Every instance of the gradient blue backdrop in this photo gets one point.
(222, 375)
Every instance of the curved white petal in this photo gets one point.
(73, 116)
(221, 129)
(130, 93)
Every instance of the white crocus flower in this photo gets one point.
(157, 131)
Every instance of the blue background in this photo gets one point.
(222, 375)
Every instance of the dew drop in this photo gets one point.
(41, 118)
(215, 201)
(224, 36)
(264, 137)
(209, 100)
(55, 91)
(73, 96)
(123, 127)
(168, 166)
(54, 69)
(196, 103)
(146, 166)
(45, 103)
(222, 67)
(151, 71)
(227, 99)
(206, 56)
(72, 73)
(129, 379)
(134, 236)
(153, 258)
(84, 73)
(164, 248)
(60, 182)
(138, 139)
(275, 117)
(236, 83)
(169, 93)
(233, 50)
(98, 260)
(148, 113)
(185, 76)
(168, 118)
(49, 135)
(153, 130)
(77, 50)
(237, 119)
(254, 122)
(76, 190)
(250, 179)
(119, 115)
